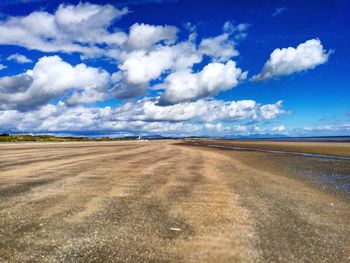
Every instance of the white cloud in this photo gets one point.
(142, 116)
(60, 118)
(69, 29)
(50, 78)
(343, 128)
(128, 91)
(279, 10)
(265, 130)
(222, 47)
(2, 66)
(238, 32)
(214, 77)
(171, 61)
(141, 67)
(290, 60)
(143, 36)
(279, 128)
(200, 110)
(146, 53)
(269, 111)
(19, 58)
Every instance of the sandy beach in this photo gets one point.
(170, 201)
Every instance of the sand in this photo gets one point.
(159, 201)
(327, 148)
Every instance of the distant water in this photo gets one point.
(281, 152)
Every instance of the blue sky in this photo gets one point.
(175, 67)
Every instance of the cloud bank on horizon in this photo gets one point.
(164, 79)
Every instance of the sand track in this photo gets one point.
(159, 202)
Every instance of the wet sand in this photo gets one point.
(322, 148)
(161, 201)
(317, 165)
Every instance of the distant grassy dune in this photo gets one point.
(52, 138)
(39, 138)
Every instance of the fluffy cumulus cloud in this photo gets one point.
(21, 59)
(143, 36)
(164, 80)
(153, 54)
(200, 110)
(222, 47)
(142, 66)
(69, 29)
(213, 78)
(50, 78)
(145, 53)
(141, 116)
(290, 60)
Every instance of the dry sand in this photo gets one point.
(159, 201)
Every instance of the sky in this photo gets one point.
(175, 68)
